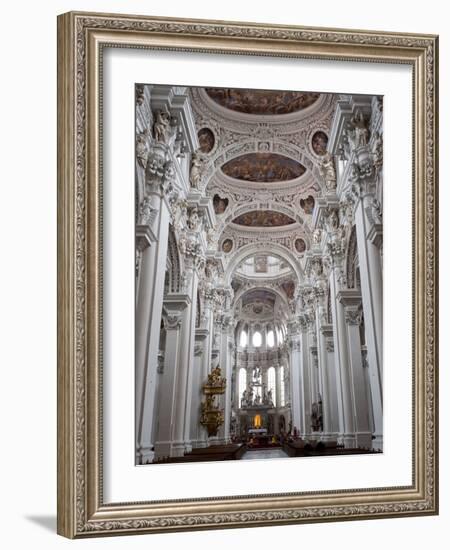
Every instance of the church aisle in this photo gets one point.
(264, 453)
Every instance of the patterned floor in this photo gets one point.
(265, 453)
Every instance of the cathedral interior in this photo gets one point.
(259, 257)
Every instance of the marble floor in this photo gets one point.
(264, 453)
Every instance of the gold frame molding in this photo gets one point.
(81, 37)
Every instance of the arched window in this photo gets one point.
(242, 383)
(272, 385)
(243, 339)
(257, 339)
(280, 336)
(270, 339)
(282, 396)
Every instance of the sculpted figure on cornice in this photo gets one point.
(317, 236)
(193, 220)
(328, 172)
(162, 127)
(347, 209)
(195, 174)
(358, 132)
(336, 235)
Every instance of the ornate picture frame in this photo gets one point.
(82, 38)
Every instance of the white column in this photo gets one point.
(168, 386)
(372, 298)
(225, 362)
(277, 386)
(148, 314)
(329, 393)
(295, 368)
(363, 435)
(207, 323)
(342, 362)
(201, 344)
(305, 384)
(184, 408)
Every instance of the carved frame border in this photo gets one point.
(81, 37)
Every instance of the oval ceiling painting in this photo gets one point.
(319, 143)
(263, 218)
(263, 168)
(206, 140)
(262, 102)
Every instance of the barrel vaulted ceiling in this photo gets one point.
(262, 150)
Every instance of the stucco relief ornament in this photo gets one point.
(140, 95)
(147, 214)
(159, 171)
(374, 211)
(328, 172)
(193, 221)
(212, 238)
(377, 154)
(142, 148)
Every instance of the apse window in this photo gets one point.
(230, 246)
(243, 342)
(257, 339)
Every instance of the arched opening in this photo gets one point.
(257, 339)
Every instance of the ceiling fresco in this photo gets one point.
(262, 102)
(263, 218)
(263, 168)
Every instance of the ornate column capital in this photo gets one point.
(353, 316)
(330, 346)
(172, 321)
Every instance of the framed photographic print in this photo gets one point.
(247, 274)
